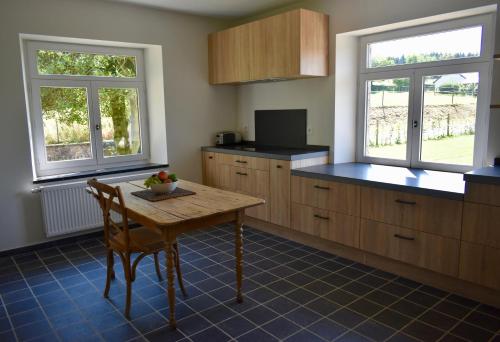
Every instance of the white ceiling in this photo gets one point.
(214, 8)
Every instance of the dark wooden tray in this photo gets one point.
(153, 197)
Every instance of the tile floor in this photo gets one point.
(292, 293)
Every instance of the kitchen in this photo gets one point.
(369, 231)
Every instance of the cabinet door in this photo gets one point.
(282, 45)
(279, 192)
(429, 251)
(482, 193)
(479, 264)
(254, 183)
(228, 55)
(209, 169)
(481, 224)
(226, 177)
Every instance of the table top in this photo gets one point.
(205, 202)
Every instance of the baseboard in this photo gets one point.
(461, 287)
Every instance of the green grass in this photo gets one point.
(401, 99)
(451, 150)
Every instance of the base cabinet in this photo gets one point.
(421, 249)
(329, 225)
(480, 264)
(279, 188)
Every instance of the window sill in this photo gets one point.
(95, 173)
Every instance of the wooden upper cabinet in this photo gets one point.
(290, 45)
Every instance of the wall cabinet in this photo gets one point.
(290, 45)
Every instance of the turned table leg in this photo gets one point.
(239, 255)
(169, 251)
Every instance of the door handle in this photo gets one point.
(415, 123)
(322, 187)
(242, 174)
(405, 202)
(321, 217)
(97, 127)
(279, 166)
(242, 161)
(402, 237)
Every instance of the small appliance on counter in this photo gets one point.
(227, 138)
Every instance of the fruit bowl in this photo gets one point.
(163, 188)
(161, 182)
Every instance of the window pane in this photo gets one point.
(120, 121)
(463, 43)
(50, 62)
(65, 123)
(387, 118)
(449, 118)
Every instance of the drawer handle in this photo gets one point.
(242, 174)
(242, 161)
(321, 217)
(405, 202)
(279, 166)
(402, 237)
(322, 187)
(210, 157)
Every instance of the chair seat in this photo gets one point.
(141, 240)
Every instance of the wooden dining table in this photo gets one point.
(205, 208)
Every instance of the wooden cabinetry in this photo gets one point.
(425, 213)
(279, 199)
(209, 169)
(293, 44)
(326, 224)
(339, 197)
(326, 209)
(480, 248)
(429, 251)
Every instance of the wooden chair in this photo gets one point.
(124, 241)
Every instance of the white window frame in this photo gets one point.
(92, 84)
(481, 64)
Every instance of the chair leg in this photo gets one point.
(128, 279)
(178, 268)
(110, 273)
(157, 266)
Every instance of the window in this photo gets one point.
(87, 107)
(424, 94)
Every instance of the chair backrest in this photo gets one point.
(107, 195)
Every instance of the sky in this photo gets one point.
(466, 40)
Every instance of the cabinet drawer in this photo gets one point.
(339, 197)
(479, 264)
(482, 193)
(243, 161)
(425, 213)
(326, 224)
(252, 182)
(481, 224)
(429, 251)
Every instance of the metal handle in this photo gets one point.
(404, 237)
(405, 202)
(97, 127)
(415, 123)
(242, 161)
(321, 217)
(279, 166)
(242, 174)
(210, 157)
(322, 187)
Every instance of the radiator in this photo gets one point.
(68, 208)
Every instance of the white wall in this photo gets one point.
(318, 95)
(194, 110)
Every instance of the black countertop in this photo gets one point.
(100, 172)
(271, 152)
(488, 175)
(418, 181)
